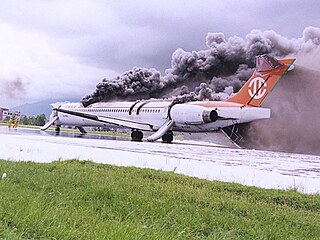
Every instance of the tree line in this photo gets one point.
(38, 120)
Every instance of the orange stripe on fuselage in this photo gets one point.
(216, 104)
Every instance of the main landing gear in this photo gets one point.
(167, 137)
(136, 136)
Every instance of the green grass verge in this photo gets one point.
(84, 200)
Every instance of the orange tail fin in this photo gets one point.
(267, 73)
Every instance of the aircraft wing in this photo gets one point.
(110, 120)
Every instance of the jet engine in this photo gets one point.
(192, 114)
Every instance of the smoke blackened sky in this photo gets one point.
(64, 48)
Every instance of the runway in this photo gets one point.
(210, 139)
(193, 158)
(69, 134)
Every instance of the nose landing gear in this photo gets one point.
(57, 129)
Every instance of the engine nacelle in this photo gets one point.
(192, 114)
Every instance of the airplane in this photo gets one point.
(162, 117)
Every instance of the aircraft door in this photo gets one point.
(165, 114)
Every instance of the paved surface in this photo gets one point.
(204, 160)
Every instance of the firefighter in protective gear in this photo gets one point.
(10, 123)
(16, 122)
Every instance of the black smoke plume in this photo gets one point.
(226, 63)
(12, 87)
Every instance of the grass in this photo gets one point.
(84, 200)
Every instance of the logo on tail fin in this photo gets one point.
(257, 88)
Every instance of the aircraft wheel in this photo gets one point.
(136, 136)
(168, 137)
(57, 129)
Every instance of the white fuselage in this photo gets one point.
(187, 117)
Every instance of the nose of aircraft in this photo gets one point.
(53, 117)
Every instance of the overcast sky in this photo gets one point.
(58, 48)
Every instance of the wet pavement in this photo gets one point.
(193, 158)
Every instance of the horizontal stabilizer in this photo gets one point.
(266, 63)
